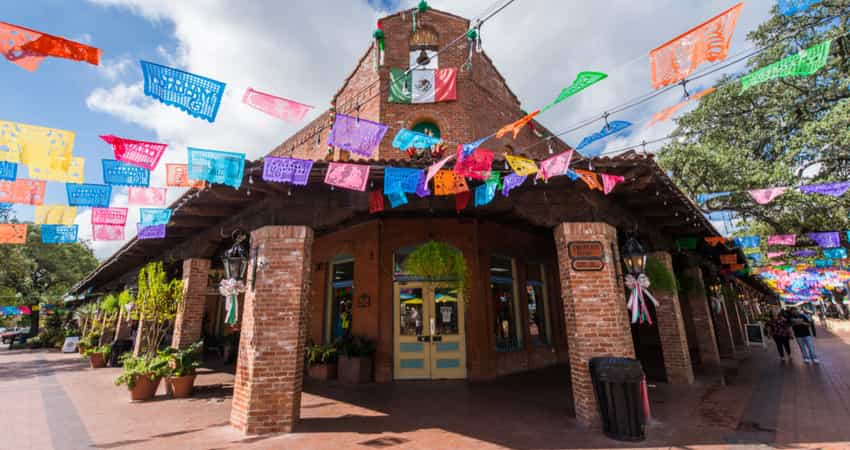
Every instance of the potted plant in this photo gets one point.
(142, 375)
(182, 365)
(89, 341)
(322, 362)
(355, 362)
(97, 356)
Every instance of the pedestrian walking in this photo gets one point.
(802, 327)
(779, 329)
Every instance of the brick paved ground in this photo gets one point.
(50, 400)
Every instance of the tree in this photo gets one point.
(157, 301)
(37, 273)
(783, 132)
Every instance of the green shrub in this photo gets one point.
(321, 354)
(142, 366)
(661, 278)
(182, 362)
(356, 346)
(104, 350)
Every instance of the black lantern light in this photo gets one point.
(634, 256)
(235, 259)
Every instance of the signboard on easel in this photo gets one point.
(755, 334)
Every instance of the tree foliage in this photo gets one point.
(41, 273)
(157, 302)
(784, 132)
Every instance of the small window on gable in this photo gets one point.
(424, 44)
(427, 127)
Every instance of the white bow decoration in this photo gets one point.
(230, 289)
(637, 299)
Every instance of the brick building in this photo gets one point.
(321, 265)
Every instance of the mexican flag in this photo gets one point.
(423, 85)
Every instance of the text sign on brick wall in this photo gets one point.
(586, 256)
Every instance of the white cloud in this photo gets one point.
(113, 69)
(304, 50)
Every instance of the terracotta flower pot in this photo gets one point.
(144, 389)
(181, 387)
(322, 371)
(96, 360)
(355, 370)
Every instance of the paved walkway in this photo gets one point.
(50, 400)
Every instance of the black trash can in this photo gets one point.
(617, 382)
(118, 348)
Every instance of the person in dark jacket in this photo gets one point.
(802, 327)
(779, 329)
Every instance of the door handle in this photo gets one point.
(423, 338)
(436, 339)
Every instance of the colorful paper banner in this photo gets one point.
(109, 216)
(359, 136)
(703, 198)
(804, 253)
(398, 180)
(521, 166)
(667, 113)
(765, 196)
(281, 108)
(470, 147)
(150, 232)
(55, 214)
(41, 148)
(287, 170)
(49, 45)
(13, 233)
(118, 173)
(835, 253)
(12, 41)
(556, 165)
(376, 201)
(405, 139)
(477, 165)
(608, 130)
(747, 241)
(8, 171)
(589, 179)
(196, 95)
(146, 196)
(216, 166)
(772, 255)
(101, 232)
(583, 81)
(447, 182)
(791, 7)
(462, 200)
(515, 127)
(485, 194)
(397, 199)
(59, 234)
(714, 241)
(434, 168)
(782, 239)
(154, 216)
(805, 63)
(84, 194)
(834, 189)
(609, 182)
(826, 239)
(23, 191)
(674, 60)
(512, 181)
(139, 153)
(347, 176)
(177, 175)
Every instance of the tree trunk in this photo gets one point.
(34, 322)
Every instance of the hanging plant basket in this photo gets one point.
(662, 279)
(437, 260)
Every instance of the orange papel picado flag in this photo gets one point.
(708, 42)
(589, 179)
(516, 126)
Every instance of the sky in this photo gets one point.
(304, 50)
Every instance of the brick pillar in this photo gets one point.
(594, 311)
(190, 316)
(671, 328)
(269, 371)
(701, 315)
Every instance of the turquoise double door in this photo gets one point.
(429, 331)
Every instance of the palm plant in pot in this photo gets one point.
(97, 356)
(322, 362)
(182, 364)
(355, 362)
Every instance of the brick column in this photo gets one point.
(701, 315)
(190, 316)
(270, 368)
(671, 328)
(594, 311)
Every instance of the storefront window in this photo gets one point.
(412, 311)
(538, 304)
(503, 297)
(340, 299)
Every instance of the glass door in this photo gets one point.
(429, 337)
